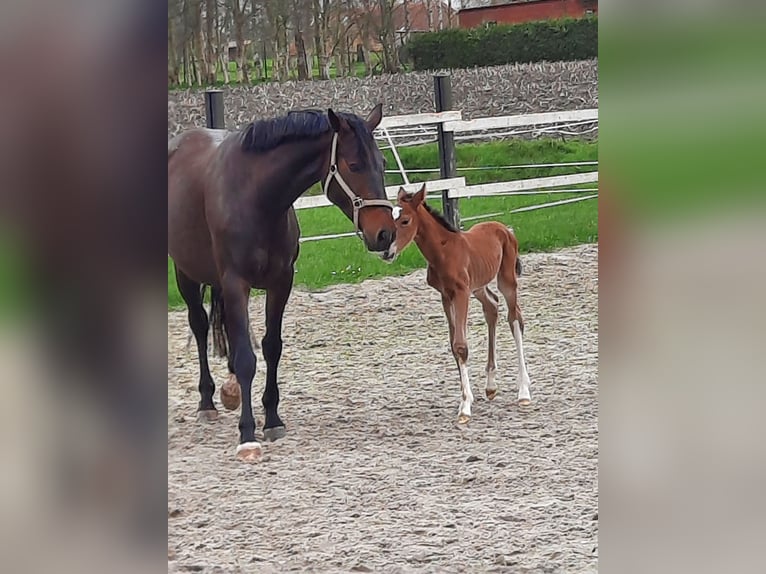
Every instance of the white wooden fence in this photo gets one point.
(415, 129)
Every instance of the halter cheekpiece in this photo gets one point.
(356, 202)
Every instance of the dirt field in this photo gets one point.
(374, 475)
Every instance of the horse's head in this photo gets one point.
(355, 180)
(406, 219)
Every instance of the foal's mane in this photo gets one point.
(440, 218)
(265, 135)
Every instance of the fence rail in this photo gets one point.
(426, 127)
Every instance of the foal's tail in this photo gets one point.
(217, 318)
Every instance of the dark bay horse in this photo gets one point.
(461, 264)
(231, 226)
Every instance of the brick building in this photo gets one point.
(483, 12)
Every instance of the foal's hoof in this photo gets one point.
(231, 394)
(524, 402)
(463, 419)
(491, 394)
(249, 452)
(274, 433)
(207, 416)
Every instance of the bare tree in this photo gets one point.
(276, 14)
(387, 36)
(240, 14)
(299, 26)
(211, 41)
(320, 18)
(174, 63)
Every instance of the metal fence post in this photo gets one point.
(443, 96)
(214, 109)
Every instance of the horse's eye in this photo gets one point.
(354, 167)
(405, 222)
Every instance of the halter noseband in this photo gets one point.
(357, 202)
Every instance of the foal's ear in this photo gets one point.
(374, 117)
(418, 198)
(402, 195)
(334, 120)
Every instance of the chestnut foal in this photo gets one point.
(459, 264)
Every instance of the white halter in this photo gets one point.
(357, 202)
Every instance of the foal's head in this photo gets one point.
(406, 217)
(361, 166)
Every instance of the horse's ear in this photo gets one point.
(374, 117)
(402, 195)
(418, 198)
(334, 120)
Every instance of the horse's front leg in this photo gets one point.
(276, 300)
(235, 295)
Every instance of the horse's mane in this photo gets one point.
(440, 218)
(265, 135)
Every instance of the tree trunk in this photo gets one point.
(198, 42)
(224, 63)
(300, 49)
(406, 8)
(211, 11)
(387, 36)
(285, 43)
(239, 16)
(320, 38)
(173, 66)
(430, 14)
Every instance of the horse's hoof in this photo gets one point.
(208, 416)
(491, 394)
(463, 419)
(274, 433)
(231, 393)
(524, 402)
(249, 452)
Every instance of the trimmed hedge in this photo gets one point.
(548, 40)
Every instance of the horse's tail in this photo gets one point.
(217, 320)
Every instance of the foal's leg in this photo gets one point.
(236, 293)
(507, 284)
(460, 351)
(489, 303)
(198, 321)
(276, 299)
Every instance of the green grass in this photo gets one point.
(345, 260)
(358, 67)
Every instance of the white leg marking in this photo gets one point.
(465, 387)
(523, 375)
(491, 384)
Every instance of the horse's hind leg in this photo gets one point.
(489, 301)
(276, 300)
(507, 283)
(231, 394)
(198, 321)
